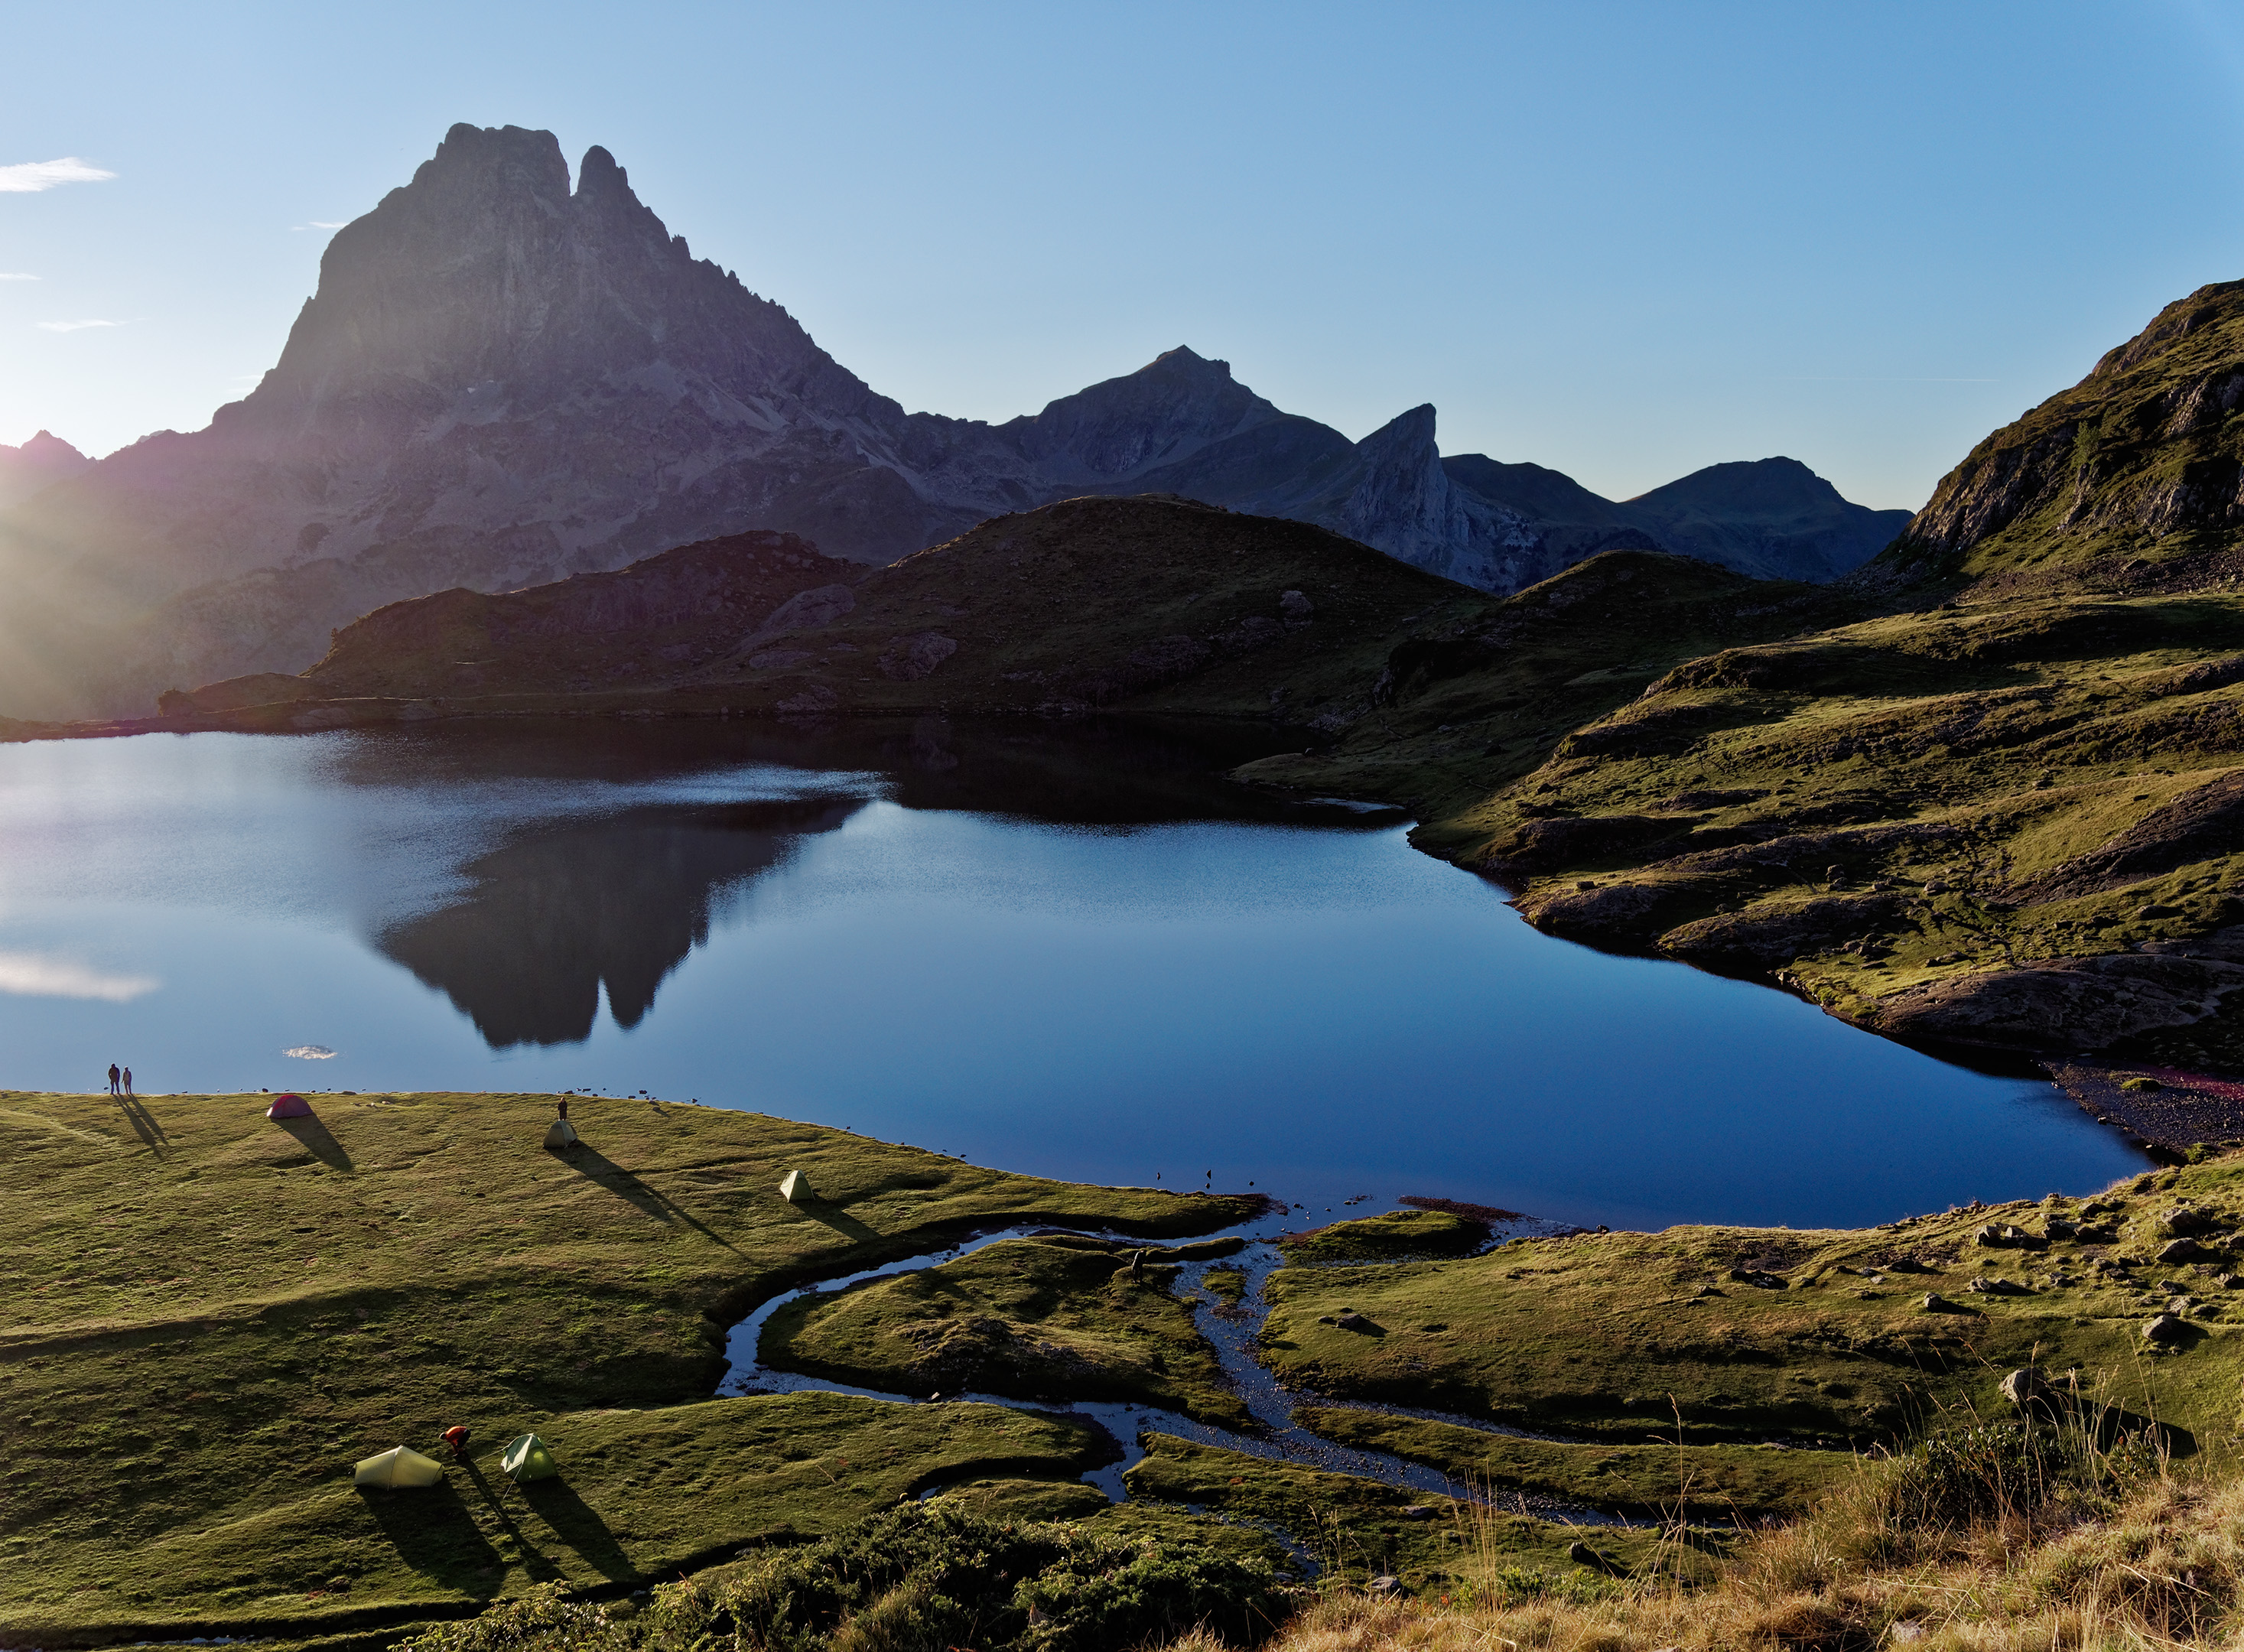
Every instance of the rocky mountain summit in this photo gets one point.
(504, 379)
(46, 458)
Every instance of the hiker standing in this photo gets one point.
(128, 1081)
(112, 1078)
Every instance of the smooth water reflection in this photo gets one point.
(1079, 953)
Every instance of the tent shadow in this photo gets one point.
(317, 1141)
(590, 1162)
(435, 1533)
(576, 1523)
(834, 1216)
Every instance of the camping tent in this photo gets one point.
(560, 1133)
(290, 1106)
(528, 1458)
(794, 1187)
(399, 1466)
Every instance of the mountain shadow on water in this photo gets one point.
(615, 903)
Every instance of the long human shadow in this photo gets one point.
(317, 1139)
(579, 1525)
(145, 1125)
(435, 1532)
(535, 1560)
(591, 1163)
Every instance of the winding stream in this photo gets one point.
(1276, 1437)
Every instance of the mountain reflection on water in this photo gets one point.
(614, 903)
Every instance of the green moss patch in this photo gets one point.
(1717, 1482)
(1036, 1318)
(1393, 1236)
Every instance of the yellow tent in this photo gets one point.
(399, 1466)
(528, 1458)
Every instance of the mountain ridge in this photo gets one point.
(502, 379)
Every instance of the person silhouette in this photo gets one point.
(128, 1081)
(112, 1078)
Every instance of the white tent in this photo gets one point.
(399, 1466)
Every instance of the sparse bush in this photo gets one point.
(923, 1578)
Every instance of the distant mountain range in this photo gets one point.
(502, 381)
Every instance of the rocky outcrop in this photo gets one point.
(2134, 476)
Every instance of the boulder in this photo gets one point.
(2023, 1387)
(2165, 1329)
(2179, 1250)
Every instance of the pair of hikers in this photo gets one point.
(120, 1079)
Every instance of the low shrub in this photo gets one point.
(922, 1578)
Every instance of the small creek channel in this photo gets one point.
(1232, 1330)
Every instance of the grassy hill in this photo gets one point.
(1151, 603)
(210, 1316)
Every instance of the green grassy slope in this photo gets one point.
(209, 1316)
(1053, 1318)
(1723, 1336)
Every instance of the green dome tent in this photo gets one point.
(528, 1458)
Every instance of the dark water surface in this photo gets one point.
(1077, 953)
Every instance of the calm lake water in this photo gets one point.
(1079, 954)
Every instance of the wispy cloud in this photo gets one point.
(34, 975)
(28, 177)
(75, 326)
(12, 275)
(321, 223)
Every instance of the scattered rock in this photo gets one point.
(2022, 1387)
(1297, 609)
(1583, 1554)
(1997, 1288)
(1933, 1303)
(2165, 1329)
(1359, 1324)
(1418, 1511)
(2184, 1222)
(2180, 1250)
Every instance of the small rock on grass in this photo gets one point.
(2165, 1329)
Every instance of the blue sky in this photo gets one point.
(1624, 240)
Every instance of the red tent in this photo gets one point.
(290, 1106)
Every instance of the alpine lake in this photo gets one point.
(1061, 1039)
(1078, 952)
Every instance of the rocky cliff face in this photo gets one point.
(2132, 478)
(503, 380)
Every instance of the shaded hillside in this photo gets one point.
(656, 621)
(2132, 478)
(1155, 604)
